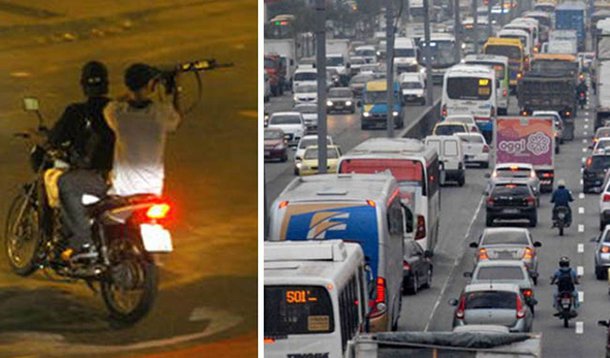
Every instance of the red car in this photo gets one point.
(276, 145)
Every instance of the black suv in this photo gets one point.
(511, 200)
(594, 171)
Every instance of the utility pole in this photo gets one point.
(389, 27)
(475, 30)
(502, 14)
(428, 54)
(321, 66)
(510, 11)
(457, 26)
(489, 28)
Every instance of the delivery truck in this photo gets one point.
(571, 16)
(527, 140)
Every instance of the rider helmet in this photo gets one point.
(94, 78)
(564, 261)
(561, 183)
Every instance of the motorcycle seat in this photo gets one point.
(116, 201)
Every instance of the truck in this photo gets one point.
(562, 41)
(528, 140)
(548, 91)
(446, 344)
(286, 49)
(276, 71)
(602, 107)
(571, 16)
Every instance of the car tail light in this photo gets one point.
(490, 201)
(378, 304)
(158, 211)
(519, 75)
(604, 249)
(482, 254)
(520, 308)
(547, 175)
(606, 198)
(531, 201)
(406, 266)
(529, 253)
(459, 312)
(533, 174)
(444, 111)
(485, 148)
(527, 293)
(420, 232)
(568, 113)
(589, 161)
(524, 113)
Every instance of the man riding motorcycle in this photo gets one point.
(562, 197)
(565, 278)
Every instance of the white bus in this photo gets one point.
(315, 297)
(362, 208)
(471, 89)
(415, 167)
(500, 65)
(443, 52)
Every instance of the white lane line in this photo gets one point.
(580, 181)
(586, 120)
(582, 170)
(584, 133)
(584, 150)
(586, 126)
(581, 196)
(584, 141)
(584, 159)
(581, 228)
(580, 270)
(586, 113)
(580, 327)
(456, 262)
(581, 297)
(581, 248)
(581, 210)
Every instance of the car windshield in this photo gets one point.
(334, 61)
(305, 76)
(599, 162)
(511, 190)
(312, 153)
(365, 52)
(306, 109)
(285, 119)
(360, 79)
(308, 142)
(502, 237)
(357, 61)
(443, 53)
(469, 88)
(499, 273)
(449, 129)
(472, 138)
(554, 66)
(411, 85)
(375, 97)
(273, 134)
(306, 89)
(491, 300)
(339, 93)
(513, 173)
(602, 132)
(602, 144)
(404, 52)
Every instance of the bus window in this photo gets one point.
(408, 173)
(512, 52)
(348, 311)
(297, 310)
(469, 88)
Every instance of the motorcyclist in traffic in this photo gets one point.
(562, 197)
(581, 89)
(566, 279)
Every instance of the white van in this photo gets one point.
(471, 89)
(316, 297)
(451, 157)
(500, 65)
(304, 76)
(405, 55)
(360, 208)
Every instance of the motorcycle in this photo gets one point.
(564, 305)
(560, 220)
(582, 99)
(128, 235)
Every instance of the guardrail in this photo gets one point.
(423, 125)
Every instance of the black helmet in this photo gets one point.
(94, 78)
(564, 261)
(138, 75)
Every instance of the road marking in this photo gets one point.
(581, 196)
(586, 126)
(582, 170)
(581, 296)
(584, 133)
(586, 113)
(581, 228)
(584, 141)
(581, 248)
(586, 119)
(580, 327)
(581, 210)
(580, 181)
(580, 270)
(584, 150)
(584, 159)
(20, 74)
(456, 262)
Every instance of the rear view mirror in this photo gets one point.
(474, 245)
(453, 302)
(537, 244)
(30, 104)
(603, 323)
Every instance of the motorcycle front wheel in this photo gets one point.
(22, 235)
(130, 288)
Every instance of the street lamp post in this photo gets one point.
(321, 66)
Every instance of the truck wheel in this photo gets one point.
(462, 180)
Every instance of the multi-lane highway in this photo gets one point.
(462, 221)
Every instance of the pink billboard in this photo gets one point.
(525, 140)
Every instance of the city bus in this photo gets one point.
(443, 52)
(500, 65)
(511, 48)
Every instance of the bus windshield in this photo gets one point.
(297, 310)
(512, 52)
(469, 33)
(443, 53)
(469, 88)
(371, 97)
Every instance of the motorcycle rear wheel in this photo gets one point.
(129, 291)
(566, 323)
(22, 235)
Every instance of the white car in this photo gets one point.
(304, 76)
(310, 114)
(307, 93)
(306, 141)
(451, 154)
(412, 87)
(367, 52)
(602, 145)
(291, 123)
(604, 206)
(476, 150)
(467, 119)
(518, 171)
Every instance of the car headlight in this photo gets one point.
(299, 165)
(414, 62)
(295, 98)
(395, 114)
(463, 46)
(365, 114)
(329, 103)
(348, 103)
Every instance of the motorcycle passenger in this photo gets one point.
(140, 126)
(562, 197)
(566, 280)
(90, 144)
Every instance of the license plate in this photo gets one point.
(156, 238)
(511, 211)
(267, 152)
(565, 301)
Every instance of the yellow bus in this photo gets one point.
(511, 48)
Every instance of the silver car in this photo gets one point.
(508, 243)
(602, 254)
(493, 303)
(505, 271)
(310, 115)
(517, 171)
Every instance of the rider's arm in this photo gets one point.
(64, 129)
(553, 197)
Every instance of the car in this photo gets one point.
(594, 172)
(357, 83)
(505, 271)
(493, 303)
(309, 164)
(307, 141)
(340, 99)
(310, 115)
(292, 123)
(476, 150)
(511, 200)
(560, 130)
(602, 145)
(451, 157)
(606, 323)
(367, 52)
(604, 207)
(304, 76)
(508, 243)
(276, 145)
(412, 87)
(306, 93)
(602, 253)
(417, 268)
(517, 171)
(467, 119)
(449, 128)
(355, 63)
(601, 132)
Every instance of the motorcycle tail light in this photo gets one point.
(528, 254)
(158, 211)
(527, 292)
(483, 254)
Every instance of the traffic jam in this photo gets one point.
(478, 223)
